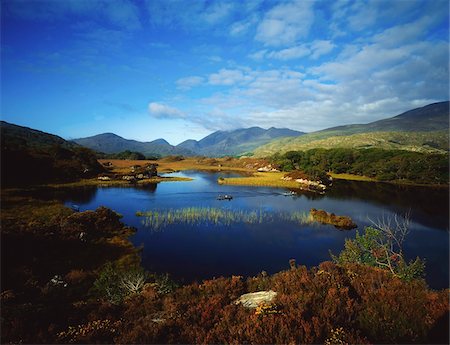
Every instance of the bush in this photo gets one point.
(115, 284)
(330, 303)
(381, 246)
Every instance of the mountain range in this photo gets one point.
(422, 129)
(220, 143)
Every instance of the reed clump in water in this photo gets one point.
(157, 219)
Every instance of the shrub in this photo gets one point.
(108, 286)
(381, 246)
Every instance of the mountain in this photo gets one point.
(420, 129)
(431, 117)
(220, 143)
(236, 142)
(29, 156)
(20, 137)
(112, 143)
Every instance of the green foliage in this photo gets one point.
(384, 165)
(108, 286)
(157, 219)
(127, 154)
(163, 283)
(427, 142)
(378, 248)
(114, 284)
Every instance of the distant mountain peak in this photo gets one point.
(160, 141)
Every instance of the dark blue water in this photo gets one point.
(201, 251)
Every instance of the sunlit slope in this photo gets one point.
(435, 141)
(423, 129)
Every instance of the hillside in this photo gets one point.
(423, 129)
(236, 142)
(20, 137)
(112, 143)
(29, 156)
(431, 142)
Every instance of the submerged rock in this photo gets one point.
(252, 300)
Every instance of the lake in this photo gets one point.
(191, 250)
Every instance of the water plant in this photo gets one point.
(157, 219)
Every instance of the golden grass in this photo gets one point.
(265, 179)
(352, 177)
(96, 182)
(188, 163)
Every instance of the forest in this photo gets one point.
(383, 165)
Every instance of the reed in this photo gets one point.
(157, 219)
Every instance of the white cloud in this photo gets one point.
(259, 55)
(289, 53)
(188, 83)
(240, 28)
(217, 11)
(402, 34)
(321, 47)
(286, 23)
(313, 50)
(227, 77)
(160, 110)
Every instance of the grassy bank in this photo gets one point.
(112, 183)
(351, 177)
(170, 164)
(261, 179)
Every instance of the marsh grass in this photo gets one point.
(261, 179)
(158, 219)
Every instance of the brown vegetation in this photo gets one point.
(48, 270)
(170, 164)
(340, 222)
(353, 304)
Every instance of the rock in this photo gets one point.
(252, 300)
(57, 281)
(104, 178)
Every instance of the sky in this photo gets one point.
(181, 69)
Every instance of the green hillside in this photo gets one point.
(29, 156)
(423, 129)
(431, 142)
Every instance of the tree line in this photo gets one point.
(383, 165)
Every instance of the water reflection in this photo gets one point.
(427, 206)
(195, 251)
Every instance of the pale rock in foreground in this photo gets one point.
(252, 300)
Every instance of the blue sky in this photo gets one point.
(182, 69)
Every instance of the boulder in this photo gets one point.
(252, 300)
